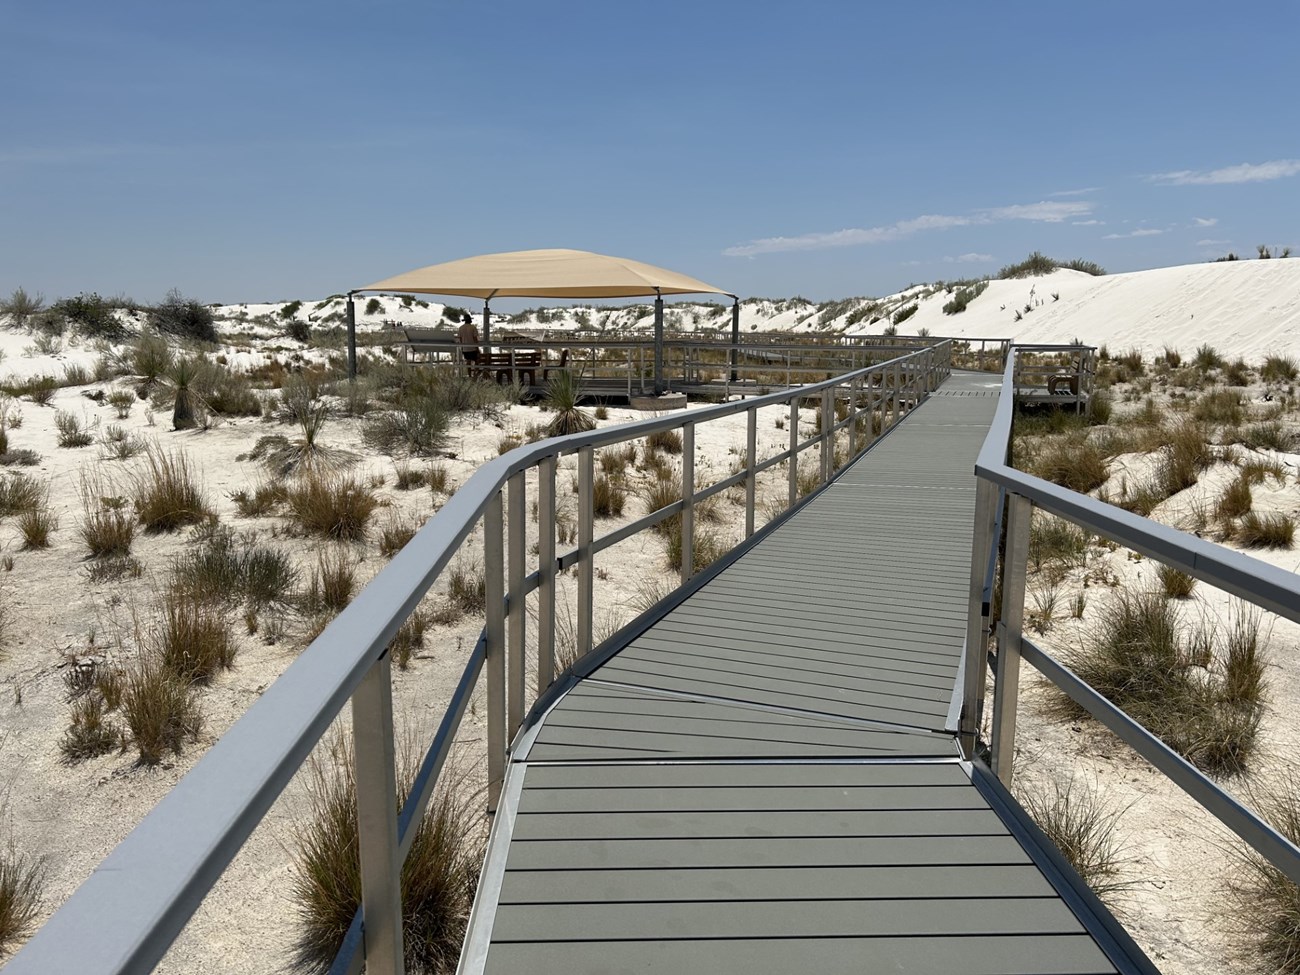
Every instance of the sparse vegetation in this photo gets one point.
(167, 495)
(1084, 828)
(335, 506)
(22, 879)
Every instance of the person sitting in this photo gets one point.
(467, 336)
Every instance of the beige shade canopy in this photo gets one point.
(544, 274)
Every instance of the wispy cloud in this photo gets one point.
(1087, 223)
(1042, 212)
(971, 258)
(1083, 192)
(1140, 232)
(1211, 243)
(1206, 221)
(1243, 173)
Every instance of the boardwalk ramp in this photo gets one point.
(767, 779)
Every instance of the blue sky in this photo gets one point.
(247, 152)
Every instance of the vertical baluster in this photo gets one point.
(586, 569)
(495, 663)
(545, 574)
(794, 450)
(898, 394)
(828, 437)
(854, 389)
(373, 754)
(515, 629)
(751, 481)
(1007, 689)
(976, 659)
(688, 501)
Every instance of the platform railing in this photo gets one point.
(1000, 486)
(137, 901)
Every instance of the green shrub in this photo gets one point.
(963, 298)
(1269, 435)
(290, 310)
(1036, 263)
(92, 316)
(1207, 358)
(19, 307)
(1266, 903)
(40, 389)
(183, 317)
(667, 441)
(394, 535)
(1219, 406)
(90, 732)
(1235, 501)
(608, 496)
(373, 306)
(71, 432)
(333, 582)
(418, 427)
(1279, 369)
(36, 524)
(1175, 583)
(903, 314)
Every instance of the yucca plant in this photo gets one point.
(563, 392)
(182, 379)
(306, 455)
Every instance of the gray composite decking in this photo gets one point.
(766, 779)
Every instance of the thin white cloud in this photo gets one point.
(1140, 232)
(1043, 212)
(1243, 173)
(1206, 221)
(1211, 243)
(971, 258)
(1087, 223)
(1083, 192)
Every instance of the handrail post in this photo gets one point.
(751, 481)
(495, 659)
(688, 502)
(545, 574)
(827, 439)
(1006, 690)
(515, 629)
(794, 450)
(376, 778)
(586, 533)
(854, 387)
(976, 662)
(898, 394)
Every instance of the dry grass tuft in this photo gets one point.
(1083, 826)
(1266, 531)
(335, 506)
(22, 879)
(167, 494)
(161, 711)
(1266, 902)
(193, 641)
(1072, 462)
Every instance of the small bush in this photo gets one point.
(167, 495)
(1266, 901)
(608, 496)
(194, 640)
(92, 316)
(394, 535)
(109, 526)
(18, 308)
(409, 477)
(1279, 369)
(114, 568)
(264, 499)
(20, 493)
(1266, 531)
(36, 524)
(183, 317)
(373, 306)
(964, 297)
(1207, 358)
(439, 478)
(467, 588)
(90, 732)
(71, 432)
(409, 638)
(438, 877)
(1235, 501)
(1083, 827)
(418, 427)
(1269, 435)
(40, 389)
(666, 441)
(22, 879)
(706, 547)
(903, 314)
(121, 400)
(1072, 462)
(1175, 583)
(1219, 406)
(150, 358)
(1036, 263)
(335, 506)
(75, 374)
(161, 712)
(333, 583)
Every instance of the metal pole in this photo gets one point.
(659, 345)
(381, 870)
(794, 450)
(735, 335)
(688, 501)
(1007, 690)
(515, 623)
(853, 417)
(487, 331)
(751, 482)
(827, 439)
(976, 661)
(352, 336)
(586, 572)
(545, 574)
(495, 649)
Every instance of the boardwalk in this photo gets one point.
(767, 778)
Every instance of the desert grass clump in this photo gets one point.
(394, 535)
(108, 528)
(262, 500)
(1235, 501)
(608, 496)
(41, 389)
(1266, 902)
(332, 584)
(409, 638)
(439, 478)
(707, 546)
(90, 732)
(1175, 583)
(36, 525)
(563, 393)
(1055, 541)
(22, 879)
(667, 441)
(121, 400)
(1279, 369)
(1269, 435)
(160, 710)
(417, 426)
(466, 593)
(1274, 530)
(1204, 705)
(167, 494)
(1084, 827)
(71, 431)
(409, 477)
(20, 493)
(305, 455)
(335, 506)
(1072, 462)
(1222, 406)
(438, 877)
(1207, 358)
(226, 569)
(193, 639)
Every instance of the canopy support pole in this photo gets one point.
(352, 336)
(659, 343)
(487, 329)
(735, 335)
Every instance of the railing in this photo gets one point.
(998, 486)
(1043, 369)
(124, 917)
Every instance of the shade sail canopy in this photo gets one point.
(544, 274)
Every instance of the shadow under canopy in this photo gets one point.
(553, 273)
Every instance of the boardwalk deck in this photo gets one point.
(766, 779)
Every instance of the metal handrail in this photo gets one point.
(133, 906)
(1251, 579)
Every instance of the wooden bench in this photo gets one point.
(510, 367)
